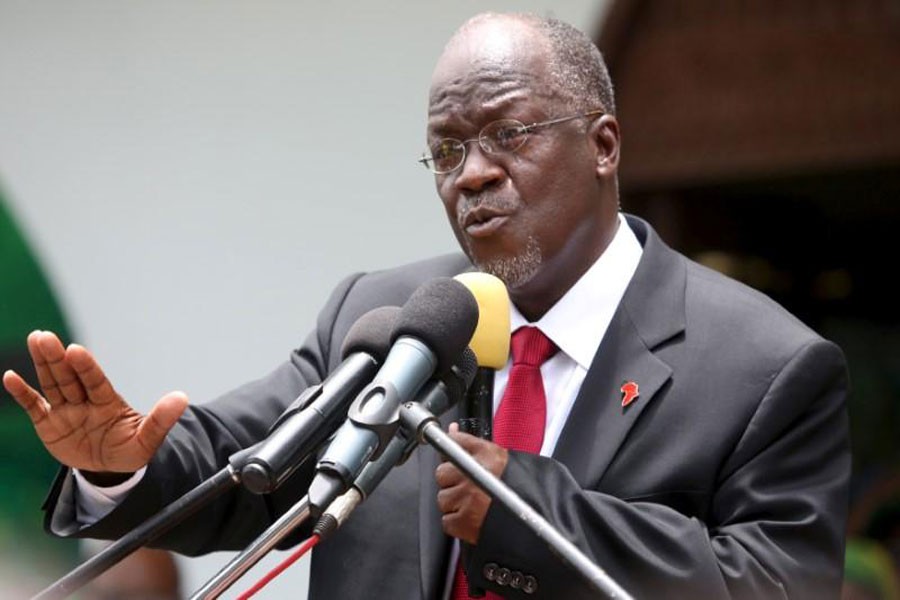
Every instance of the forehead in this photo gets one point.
(484, 89)
(486, 68)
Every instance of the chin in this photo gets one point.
(516, 270)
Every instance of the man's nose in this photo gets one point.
(480, 170)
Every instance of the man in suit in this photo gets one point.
(693, 436)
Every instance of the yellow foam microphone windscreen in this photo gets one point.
(490, 342)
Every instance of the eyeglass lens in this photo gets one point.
(506, 135)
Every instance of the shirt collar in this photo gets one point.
(578, 321)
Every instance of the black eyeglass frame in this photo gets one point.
(427, 158)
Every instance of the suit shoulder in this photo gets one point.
(398, 283)
(744, 313)
(363, 291)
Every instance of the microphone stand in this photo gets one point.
(438, 398)
(415, 418)
(146, 532)
(253, 553)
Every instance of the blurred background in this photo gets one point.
(182, 183)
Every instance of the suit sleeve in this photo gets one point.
(199, 446)
(774, 527)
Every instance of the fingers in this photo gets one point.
(68, 374)
(457, 493)
(455, 488)
(160, 419)
(26, 396)
(91, 377)
(55, 374)
(463, 507)
(469, 442)
(490, 455)
(463, 525)
(452, 499)
(41, 366)
(447, 475)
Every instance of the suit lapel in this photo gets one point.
(650, 313)
(598, 423)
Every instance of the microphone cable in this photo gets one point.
(305, 547)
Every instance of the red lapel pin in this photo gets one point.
(630, 393)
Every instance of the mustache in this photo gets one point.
(490, 199)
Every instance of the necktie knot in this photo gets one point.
(531, 347)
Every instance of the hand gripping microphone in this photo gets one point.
(318, 411)
(432, 330)
(491, 346)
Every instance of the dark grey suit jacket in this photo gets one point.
(726, 477)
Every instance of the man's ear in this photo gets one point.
(604, 135)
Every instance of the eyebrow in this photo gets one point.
(495, 109)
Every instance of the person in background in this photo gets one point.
(146, 574)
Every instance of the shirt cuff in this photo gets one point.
(94, 502)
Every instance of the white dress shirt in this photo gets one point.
(577, 324)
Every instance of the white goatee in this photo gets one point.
(515, 271)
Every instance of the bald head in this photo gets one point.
(504, 55)
(568, 65)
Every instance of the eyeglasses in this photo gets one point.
(498, 137)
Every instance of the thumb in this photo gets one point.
(467, 441)
(164, 414)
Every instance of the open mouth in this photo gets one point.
(481, 222)
(487, 227)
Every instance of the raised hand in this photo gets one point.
(80, 418)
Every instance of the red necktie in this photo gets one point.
(521, 417)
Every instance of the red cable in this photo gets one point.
(303, 549)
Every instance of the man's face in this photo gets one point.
(520, 216)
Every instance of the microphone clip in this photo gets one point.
(377, 408)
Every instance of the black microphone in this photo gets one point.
(437, 397)
(317, 412)
(432, 330)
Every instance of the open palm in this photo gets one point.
(83, 422)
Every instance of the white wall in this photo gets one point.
(198, 175)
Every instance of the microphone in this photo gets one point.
(437, 397)
(488, 350)
(311, 418)
(432, 329)
(491, 346)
